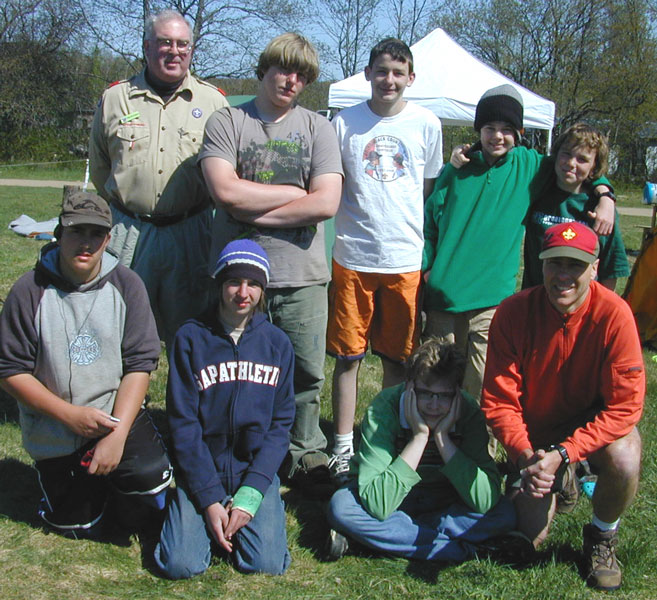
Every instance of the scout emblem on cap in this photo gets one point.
(569, 234)
(570, 240)
(197, 113)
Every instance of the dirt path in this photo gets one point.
(50, 183)
(623, 210)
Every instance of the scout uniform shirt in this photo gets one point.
(142, 150)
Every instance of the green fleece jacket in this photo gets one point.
(473, 228)
(384, 478)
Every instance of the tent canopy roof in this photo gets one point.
(448, 81)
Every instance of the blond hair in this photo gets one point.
(290, 51)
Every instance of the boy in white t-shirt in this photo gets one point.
(391, 154)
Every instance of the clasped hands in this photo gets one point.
(224, 521)
(538, 471)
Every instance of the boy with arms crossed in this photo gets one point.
(274, 171)
(378, 247)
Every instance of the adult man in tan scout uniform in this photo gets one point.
(142, 153)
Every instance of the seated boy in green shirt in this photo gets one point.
(426, 486)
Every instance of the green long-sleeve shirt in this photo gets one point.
(474, 225)
(384, 478)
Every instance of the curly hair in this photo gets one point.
(583, 135)
(436, 358)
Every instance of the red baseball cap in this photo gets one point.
(570, 240)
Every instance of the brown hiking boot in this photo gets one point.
(601, 567)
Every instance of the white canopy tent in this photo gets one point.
(448, 81)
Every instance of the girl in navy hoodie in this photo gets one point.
(230, 405)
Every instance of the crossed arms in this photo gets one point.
(278, 206)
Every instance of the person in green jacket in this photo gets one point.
(474, 225)
(426, 487)
(579, 155)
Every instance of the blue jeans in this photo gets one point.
(260, 546)
(415, 530)
(302, 314)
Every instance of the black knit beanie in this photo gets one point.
(501, 103)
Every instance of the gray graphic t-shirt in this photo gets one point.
(291, 152)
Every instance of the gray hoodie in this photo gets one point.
(79, 341)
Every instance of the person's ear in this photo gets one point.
(594, 268)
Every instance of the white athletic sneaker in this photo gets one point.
(339, 467)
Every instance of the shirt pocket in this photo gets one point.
(133, 142)
(628, 381)
(190, 143)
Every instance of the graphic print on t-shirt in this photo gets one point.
(385, 158)
(277, 162)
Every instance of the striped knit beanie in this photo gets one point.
(243, 259)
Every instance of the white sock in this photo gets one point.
(343, 443)
(604, 526)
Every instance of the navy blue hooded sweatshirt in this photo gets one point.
(230, 407)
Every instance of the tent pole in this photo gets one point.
(549, 142)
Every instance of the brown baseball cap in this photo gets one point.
(85, 208)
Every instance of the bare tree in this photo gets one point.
(351, 27)
(409, 19)
(227, 35)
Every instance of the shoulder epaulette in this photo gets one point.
(223, 92)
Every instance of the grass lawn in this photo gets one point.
(36, 565)
(70, 170)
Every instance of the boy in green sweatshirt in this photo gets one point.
(474, 225)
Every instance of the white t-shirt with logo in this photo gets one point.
(386, 160)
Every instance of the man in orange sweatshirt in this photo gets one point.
(565, 382)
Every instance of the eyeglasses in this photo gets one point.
(183, 46)
(427, 396)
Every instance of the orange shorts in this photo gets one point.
(381, 308)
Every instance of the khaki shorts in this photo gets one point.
(381, 308)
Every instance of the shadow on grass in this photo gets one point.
(8, 408)
(427, 571)
(19, 501)
(563, 554)
(20, 492)
(311, 517)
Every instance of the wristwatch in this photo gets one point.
(561, 450)
(608, 193)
